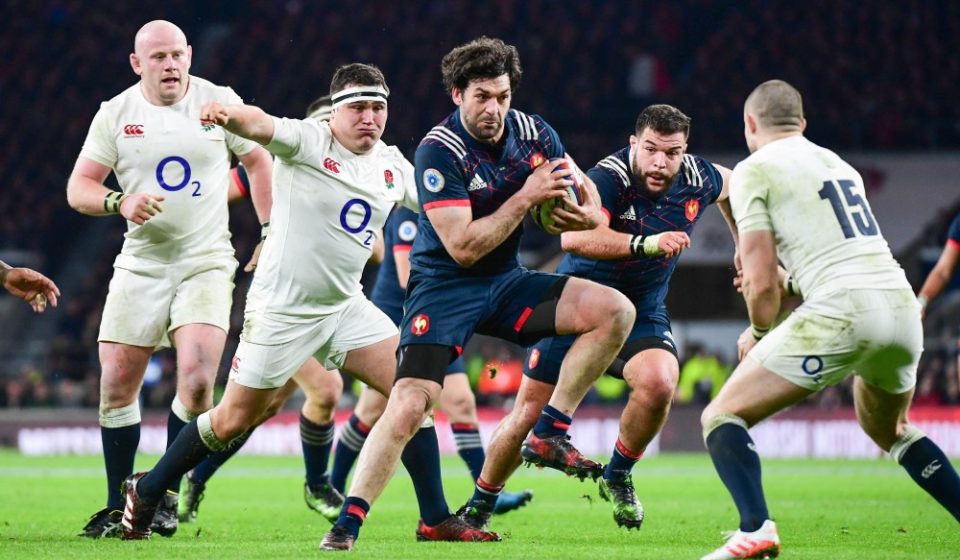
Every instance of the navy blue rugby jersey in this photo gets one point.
(632, 210)
(398, 235)
(454, 169)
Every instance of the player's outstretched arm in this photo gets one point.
(30, 286)
(246, 121)
(468, 240)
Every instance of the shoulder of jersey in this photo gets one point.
(692, 170)
(616, 167)
(447, 139)
(526, 125)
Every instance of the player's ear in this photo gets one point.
(457, 95)
(751, 122)
(803, 124)
(135, 64)
(633, 141)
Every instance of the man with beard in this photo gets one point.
(653, 193)
(478, 174)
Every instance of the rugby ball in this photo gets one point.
(576, 194)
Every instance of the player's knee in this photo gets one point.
(616, 311)
(118, 388)
(656, 393)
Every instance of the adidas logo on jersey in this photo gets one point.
(476, 184)
(630, 214)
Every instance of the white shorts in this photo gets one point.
(149, 300)
(876, 334)
(356, 325)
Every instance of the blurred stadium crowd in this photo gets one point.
(874, 77)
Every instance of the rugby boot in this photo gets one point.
(338, 538)
(103, 524)
(323, 499)
(137, 514)
(454, 529)
(509, 501)
(762, 543)
(558, 453)
(165, 520)
(191, 494)
(475, 514)
(627, 509)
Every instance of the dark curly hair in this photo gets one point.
(359, 74)
(665, 119)
(480, 59)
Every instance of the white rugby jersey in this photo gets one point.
(814, 202)
(166, 150)
(329, 205)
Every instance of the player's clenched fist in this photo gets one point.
(546, 182)
(215, 112)
(140, 207)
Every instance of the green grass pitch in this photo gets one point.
(254, 509)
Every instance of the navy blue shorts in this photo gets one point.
(544, 358)
(396, 315)
(448, 311)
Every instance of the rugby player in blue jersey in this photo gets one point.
(653, 193)
(479, 172)
(456, 400)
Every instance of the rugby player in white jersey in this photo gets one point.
(173, 279)
(335, 183)
(797, 202)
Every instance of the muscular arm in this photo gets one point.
(259, 166)
(85, 189)
(601, 243)
(723, 203)
(246, 121)
(941, 274)
(468, 240)
(761, 282)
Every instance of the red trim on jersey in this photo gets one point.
(459, 350)
(236, 180)
(446, 203)
(953, 243)
(607, 213)
(523, 319)
(402, 248)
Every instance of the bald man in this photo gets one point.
(800, 204)
(173, 279)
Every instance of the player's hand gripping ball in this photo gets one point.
(576, 194)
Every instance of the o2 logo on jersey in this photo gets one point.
(331, 165)
(433, 180)
(407, 230)
(174, 163)
(132, 130)
(354, 208)
(420, 325)
(812, 366)
(691, 209)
